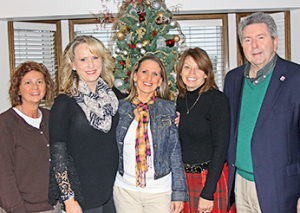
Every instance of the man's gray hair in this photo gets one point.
(257, 18)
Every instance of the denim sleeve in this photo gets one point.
(179, 189)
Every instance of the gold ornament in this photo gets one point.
(173, 96)
(148, 3)
(128, 64)
(174, 68)
(125, 29)
(176, 38)
(160, 14)
(120, 35)
(160, 20)
(141, 32)
(170, 84)
(145, 42)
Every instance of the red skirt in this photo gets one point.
(195, 184)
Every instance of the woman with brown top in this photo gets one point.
(24, 142)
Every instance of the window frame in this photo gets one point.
(287, 28)
(72, 22)
(57, 44)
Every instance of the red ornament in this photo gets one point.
(142, 14)
(126, 80)
(142, 18)
(170, 43)
(132, 46)
(154, 33)
(129, 72)
(122, 63)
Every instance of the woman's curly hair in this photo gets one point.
(18, 75)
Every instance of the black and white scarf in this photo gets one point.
(99, 107)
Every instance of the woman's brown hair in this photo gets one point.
(18, 75)
(204, 63)
(163, 92)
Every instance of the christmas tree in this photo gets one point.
(142, 27)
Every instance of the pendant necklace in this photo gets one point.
(22, 110)
(189, 109)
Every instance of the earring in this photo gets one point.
(135, 83)
(19, 98)
(158, 89)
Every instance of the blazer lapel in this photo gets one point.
(272, 93)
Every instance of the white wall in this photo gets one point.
(65, 9)
(46, 8)
(295, 32)
(232, 41)
(4, 70)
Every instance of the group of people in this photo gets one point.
(109, 153)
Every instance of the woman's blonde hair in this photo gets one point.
(66, 74)
(163, 91)
(204, 63)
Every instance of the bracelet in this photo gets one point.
(67, 196)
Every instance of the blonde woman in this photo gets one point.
(83, 123)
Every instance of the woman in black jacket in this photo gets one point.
(83, 123)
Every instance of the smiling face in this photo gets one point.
(192, 76)
(147, 78)
(258, 45)
(32, 87)
(87, 65)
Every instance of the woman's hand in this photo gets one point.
(176, 206)
(177, 119)
(205, 205)
(72, 206)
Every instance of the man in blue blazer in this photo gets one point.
(264, 150)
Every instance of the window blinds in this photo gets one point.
(35, 42)
(103, 34)
(207, 35)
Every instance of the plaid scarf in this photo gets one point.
(142, 144)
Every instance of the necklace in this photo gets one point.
(189, 109)
(22, 110)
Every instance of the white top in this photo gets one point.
(128, 181)
(35, 122)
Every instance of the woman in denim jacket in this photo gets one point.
(150, 176)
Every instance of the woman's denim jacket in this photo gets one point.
(166, 145)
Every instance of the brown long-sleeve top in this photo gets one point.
(24, 164)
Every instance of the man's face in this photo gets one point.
(258, 46)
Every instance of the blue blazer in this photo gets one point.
(275, 143)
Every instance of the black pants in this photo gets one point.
(108, 207)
